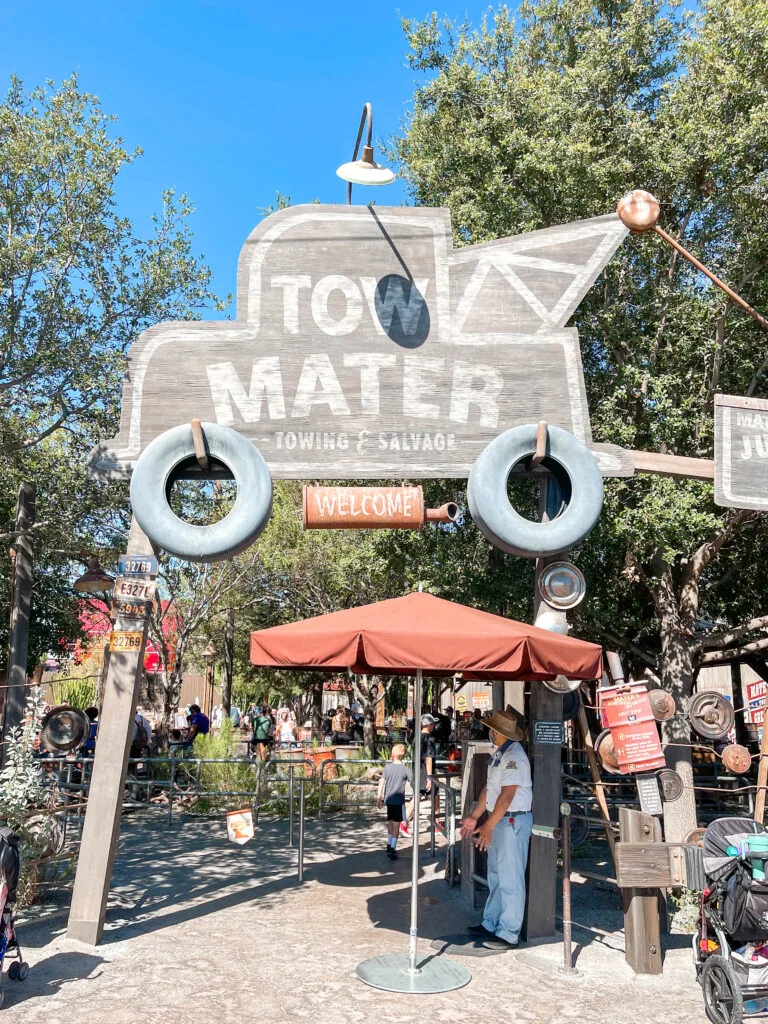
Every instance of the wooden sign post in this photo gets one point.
(105, 798)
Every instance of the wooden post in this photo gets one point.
(476, 755)
(105, 799)
(594, 770)
(762, 775)
(546, 766)
(642, 929)
(18, 645)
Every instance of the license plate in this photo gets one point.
(123, 641)
(133, 609)
(127, 588)
(137, 565)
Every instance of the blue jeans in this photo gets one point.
(507, 858)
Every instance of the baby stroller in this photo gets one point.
(731, 963)
(9, 879)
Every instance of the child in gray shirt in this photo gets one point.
(392, 794)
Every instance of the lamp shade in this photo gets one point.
(364, 172)
(94, 580)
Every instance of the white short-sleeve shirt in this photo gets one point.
(509, 766)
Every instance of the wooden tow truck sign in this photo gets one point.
(366, 346)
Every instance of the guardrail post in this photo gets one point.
(301, 829)
(565, 810)
(320, 791)
(451, 831)
(432, 788)
(171, 783)
(290, 805)
(256, 806)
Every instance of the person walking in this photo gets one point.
(262, 724)
(428, 755)
(507, 798)
(392, 794)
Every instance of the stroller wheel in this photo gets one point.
(23, 971)
(13, 971)
(723, 1002)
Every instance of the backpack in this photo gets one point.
(10, 861)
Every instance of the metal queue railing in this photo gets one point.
(274, 781)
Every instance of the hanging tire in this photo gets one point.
(498, 521)
(723, 1001)
(153, 477)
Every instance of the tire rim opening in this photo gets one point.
(524, 486)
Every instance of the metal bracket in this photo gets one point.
(547, 832)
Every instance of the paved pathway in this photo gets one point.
(201, 931)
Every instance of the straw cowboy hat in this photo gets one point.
(506, 723)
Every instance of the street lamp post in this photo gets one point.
(364, 171)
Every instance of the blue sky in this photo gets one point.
(230, 101)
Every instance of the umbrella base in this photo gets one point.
(391, 973)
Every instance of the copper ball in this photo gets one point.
(639, 210)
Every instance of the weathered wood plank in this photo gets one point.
(678, 466)
(642, 925)
(643, 865)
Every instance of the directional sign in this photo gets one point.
(366, 346)
(741, 452)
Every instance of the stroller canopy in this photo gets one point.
(719, 835)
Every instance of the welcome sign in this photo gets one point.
(366, 346)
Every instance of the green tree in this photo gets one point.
(529, 122)
(78, 282)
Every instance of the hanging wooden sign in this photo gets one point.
(741, 452)
(366, 346)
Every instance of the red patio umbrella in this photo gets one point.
(420, 634)
(420, 631)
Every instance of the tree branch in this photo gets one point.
(734, 653)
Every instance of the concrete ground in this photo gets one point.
(202, 930)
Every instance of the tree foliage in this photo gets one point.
(78, 282)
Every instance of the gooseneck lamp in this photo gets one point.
(364, 171)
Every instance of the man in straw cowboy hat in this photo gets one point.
(507, 797)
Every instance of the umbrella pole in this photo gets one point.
(398, 972)
(413, 933)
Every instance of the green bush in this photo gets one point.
(223, 778)
(78, 693)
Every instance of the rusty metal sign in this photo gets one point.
(737, 758)
(365, 508)
(366, 347)
(662, 705)
(626, 710)
(671, 785)
(711, 715)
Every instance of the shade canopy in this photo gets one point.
(420, 631)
